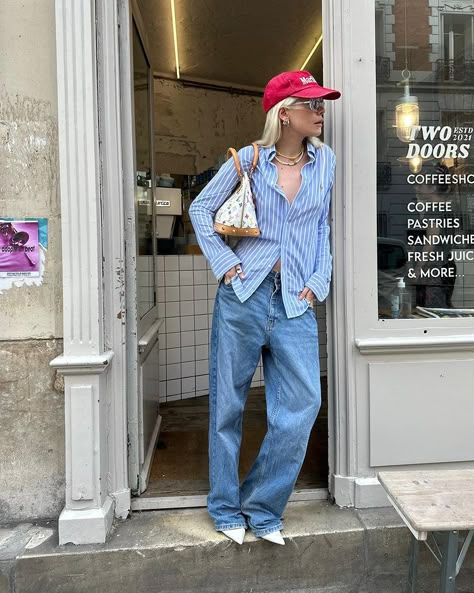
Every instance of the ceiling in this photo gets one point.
(241, 43)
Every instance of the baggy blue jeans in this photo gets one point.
(241, 332)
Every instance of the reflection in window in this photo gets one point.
(456, 63)
(425, 172)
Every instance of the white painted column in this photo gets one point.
(85, 363)
(349, 66)
(340, 332)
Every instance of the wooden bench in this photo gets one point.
(435, 505)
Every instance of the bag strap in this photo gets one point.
(232, 152)
(255, 159)
(235, 156)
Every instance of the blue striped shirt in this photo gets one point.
(296, 233)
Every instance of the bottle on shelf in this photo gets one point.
(400, 300)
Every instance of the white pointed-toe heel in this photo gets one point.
(275, 537)
(236, 535)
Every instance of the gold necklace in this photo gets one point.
(295, 162)
(292, 158)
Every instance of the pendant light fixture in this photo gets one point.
(407, 112)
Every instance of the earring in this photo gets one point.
(286, 122)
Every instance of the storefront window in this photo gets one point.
(425, 165)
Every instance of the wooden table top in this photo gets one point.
(432, 500)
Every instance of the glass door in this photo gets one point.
(142, 321)
(146, 300)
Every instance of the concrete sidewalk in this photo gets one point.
(328, 550)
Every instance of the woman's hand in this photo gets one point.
(232, 272)
(307, 294)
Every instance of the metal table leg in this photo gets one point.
(413, 565)
(462, 555)
(449, 547)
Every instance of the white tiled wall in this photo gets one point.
(186, 292)
(145, 284)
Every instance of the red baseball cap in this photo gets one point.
(299, 83)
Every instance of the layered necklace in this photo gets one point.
(291, 160)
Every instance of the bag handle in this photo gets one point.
(232, 152)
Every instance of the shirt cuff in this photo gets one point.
(223, 262)
(319, 285)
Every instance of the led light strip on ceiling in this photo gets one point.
(175, 38)
(175, 41)
(316, 45)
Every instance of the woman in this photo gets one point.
(264, 306)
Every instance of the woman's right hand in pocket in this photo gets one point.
(232, 272)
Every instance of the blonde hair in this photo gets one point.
(273, 125)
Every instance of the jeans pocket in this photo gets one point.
(232, 281)
(227, 285)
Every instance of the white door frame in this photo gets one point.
(141, 334)
(94, 359)
(95, 388)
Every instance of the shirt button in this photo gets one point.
(321, 186)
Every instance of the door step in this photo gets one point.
(328, 550)
(154, 503)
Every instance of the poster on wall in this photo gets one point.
(23, 245)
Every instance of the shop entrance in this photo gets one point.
(209, 68)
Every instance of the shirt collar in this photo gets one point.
(270, 151)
